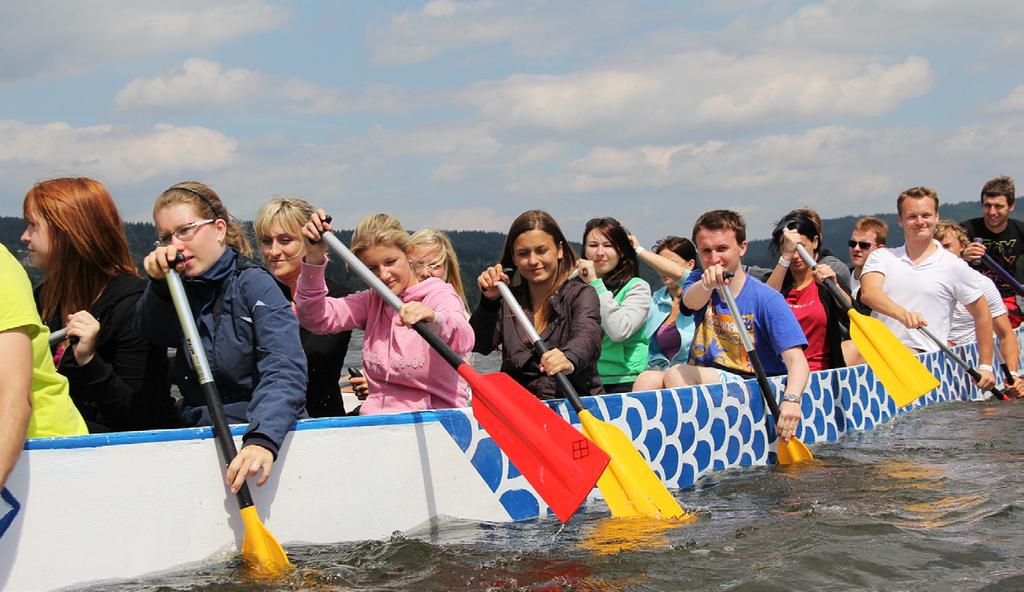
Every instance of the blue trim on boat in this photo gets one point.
(178, 435)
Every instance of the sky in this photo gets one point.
(461, 115)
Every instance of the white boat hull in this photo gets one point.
(108, 507)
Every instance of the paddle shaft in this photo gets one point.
(963, 363)
(830, 284)
(538, 344)
(394, 301)
(748, 344)
(205, 377)
(60, 334)
(1006, 275)
(838, 295)
(537, 440)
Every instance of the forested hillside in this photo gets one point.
(478, 249)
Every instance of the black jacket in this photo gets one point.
(325, 355)
(126, 385)
(574, 327)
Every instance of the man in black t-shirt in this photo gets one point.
(1002, 238)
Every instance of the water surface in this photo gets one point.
(931, 501)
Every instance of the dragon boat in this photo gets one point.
(87, 509)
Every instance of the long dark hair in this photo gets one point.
(629, 265)
(540, 220)
(678, 245)
(803, 224)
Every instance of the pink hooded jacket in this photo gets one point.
(402, 371)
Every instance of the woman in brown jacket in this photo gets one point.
(565, 313)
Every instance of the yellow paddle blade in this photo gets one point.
(260, 551)
(793, 452)
(904, 376)
(629, 485)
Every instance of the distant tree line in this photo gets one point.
(478, 249)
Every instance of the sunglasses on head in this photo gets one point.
(865, 245)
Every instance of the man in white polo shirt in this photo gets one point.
(917, 285)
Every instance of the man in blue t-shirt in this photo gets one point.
(717, 353)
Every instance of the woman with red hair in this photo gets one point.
(90, 284)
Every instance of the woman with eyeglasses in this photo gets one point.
(611, 266)
(823, 320)
(90, 284)
(434, 256)
(278, 228)
(245, 322)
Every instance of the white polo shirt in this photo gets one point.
(931, 287)
(962, 328)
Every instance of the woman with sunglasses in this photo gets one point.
(245, 322)
(90, 284)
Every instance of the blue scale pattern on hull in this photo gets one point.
(687, 433)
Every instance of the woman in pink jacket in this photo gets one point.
(402, 371)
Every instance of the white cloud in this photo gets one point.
(73, 37)
(529, 29)
(201, 84)
(1014, 101)
(116, 154)
(470, 218)
(693, 90)
(875, 25)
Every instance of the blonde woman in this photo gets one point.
(278, 227)
(402, 371)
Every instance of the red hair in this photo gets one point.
(87, 242)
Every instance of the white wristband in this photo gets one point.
(639, 249)
(985, 367)
(784, 262)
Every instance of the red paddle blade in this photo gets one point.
(561, 463)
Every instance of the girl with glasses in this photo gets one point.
(90, 284)
(245, 322)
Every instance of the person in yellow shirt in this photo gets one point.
(34, 399)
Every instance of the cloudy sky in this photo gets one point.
(461, 115)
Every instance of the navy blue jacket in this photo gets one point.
(253, 345)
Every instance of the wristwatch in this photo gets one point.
(791, 397)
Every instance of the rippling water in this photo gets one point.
(932, 501)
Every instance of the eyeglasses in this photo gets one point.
(184, 233)
(864, 245)
(427, 267)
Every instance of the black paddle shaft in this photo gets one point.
(755, 360)
(963, 363)
(206, 383)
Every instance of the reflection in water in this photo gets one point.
(609, 536)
